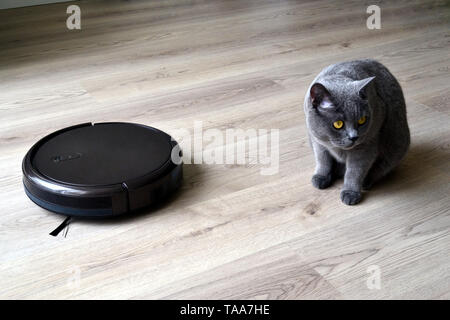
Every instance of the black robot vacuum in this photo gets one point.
(102, 169)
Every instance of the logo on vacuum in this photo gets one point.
(65, 157)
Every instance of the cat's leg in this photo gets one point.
(323, 174)
(358, 165)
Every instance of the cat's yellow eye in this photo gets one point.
(338, 124)
(362, 120)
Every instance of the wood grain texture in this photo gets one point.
(230, 232)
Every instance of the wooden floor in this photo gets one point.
(230, 232)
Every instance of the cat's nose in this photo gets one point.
(353, 138)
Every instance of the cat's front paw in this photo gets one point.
(321, 182)
(350, 197)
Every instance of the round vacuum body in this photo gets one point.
(102, 169)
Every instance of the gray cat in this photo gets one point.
(356, 118)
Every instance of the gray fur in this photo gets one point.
(347, 91)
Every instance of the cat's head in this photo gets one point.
(339, 111)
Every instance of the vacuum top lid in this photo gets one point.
(102, 154)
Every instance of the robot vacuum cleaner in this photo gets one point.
(102, 169)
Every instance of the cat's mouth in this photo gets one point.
(344, 146)
(349, 147)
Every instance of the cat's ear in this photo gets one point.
(361, 86)
(320, 97)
